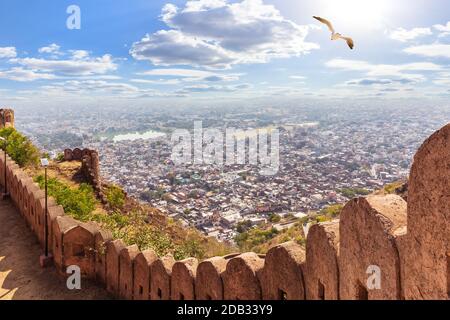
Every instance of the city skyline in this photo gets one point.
(186, 51)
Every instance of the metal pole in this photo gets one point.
(46, 216)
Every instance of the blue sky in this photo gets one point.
(141, 50)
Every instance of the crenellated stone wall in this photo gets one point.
(408, 242)
(6, 118)
(90, 167)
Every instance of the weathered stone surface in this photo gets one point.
(183, 279)
(368, 227)
(78, 248)
(208, 283)
(6, 118)
(426, 257)
(22, 194)
(241, 277)
(77, 154)
(113, 249)
(126, 267)
(40, 217)
(33, 199)
(53, 213)
(160, 275)
(101, 240)
(282, 276)
(31, 189)
(68, 155)
(142, 264)
(90, 167)
(61, 225)
(322, 267)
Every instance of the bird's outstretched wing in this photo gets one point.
(325, 21)
(349, 41)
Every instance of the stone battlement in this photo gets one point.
(6, 118)
(90, 167)
(408, 241)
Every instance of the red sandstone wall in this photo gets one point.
(90, 167)
(372, 231)
(368, 228)
(282, 276)
(425, 253)
(183, 279)
(322, 268)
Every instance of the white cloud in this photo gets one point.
(55, 52)
(51, 49)
(195, 6)
(94, 77)
(79, 54)
(92, 86)
(7, 52)
(177, 73)
(444, 29)
(435, 50)
(404, 35)
(91, 66)
(100, 88)
(400, 71)
(191, 75)
(23, 75)
(218, 34)
(165, 48)
(203, 88)
(443, 79)
(295, 77)
(158, 82)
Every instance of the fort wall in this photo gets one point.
(90, 167)
(6, 118)
(409, 242)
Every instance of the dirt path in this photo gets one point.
(21, 277)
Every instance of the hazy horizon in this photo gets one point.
(215, 51)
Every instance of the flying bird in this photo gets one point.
(335, 35)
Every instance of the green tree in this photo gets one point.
(19, 147)
(243, 226)
(274, 218)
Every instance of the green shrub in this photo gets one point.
(274, 218)
(332, 211)
(115, 197)
(59, 157)
(300, 240)
(391, 187)
(354, 192)
(78, 202)
(243, 226)
(189, 248)
(323, 218)
(254, 237)
(19, 147)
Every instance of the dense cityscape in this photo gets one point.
(328, 154)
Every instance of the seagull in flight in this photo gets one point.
(334, 34)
